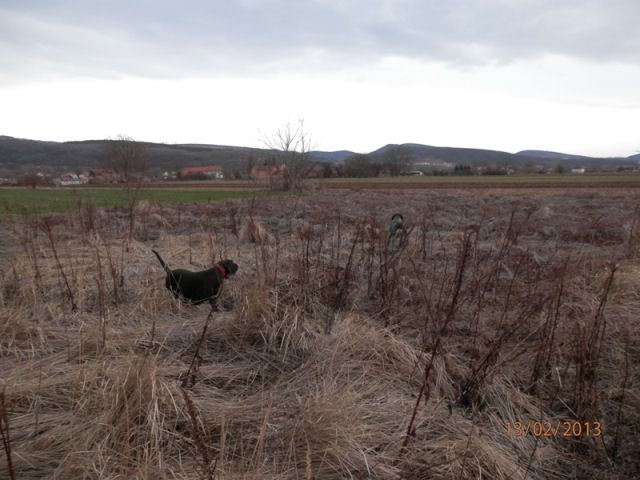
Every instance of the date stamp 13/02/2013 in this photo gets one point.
(553, 429)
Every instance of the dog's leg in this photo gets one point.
(214, 304)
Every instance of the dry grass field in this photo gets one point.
(500, 339)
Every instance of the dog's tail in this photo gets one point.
(164, 265)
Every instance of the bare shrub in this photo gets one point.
(253, 231)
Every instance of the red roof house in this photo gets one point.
(267, 171)
(210, 171)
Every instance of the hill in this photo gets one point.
(330, 157)
(550, 155)
(22, 155)
(470, 156)
(17, 154)
(477, 156)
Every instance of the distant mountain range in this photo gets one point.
(331, 157)
(24, 155)
(550, 155)
(477, 156)
(452, 155)
(20, 154)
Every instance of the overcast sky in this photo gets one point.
(559, 75)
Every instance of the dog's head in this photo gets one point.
(397, 216)
(230, 267)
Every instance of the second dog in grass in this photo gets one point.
(396, 228)
(197, 287)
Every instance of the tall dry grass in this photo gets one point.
(335, 356)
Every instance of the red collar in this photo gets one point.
(220, 269)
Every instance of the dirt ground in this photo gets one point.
(499, 338)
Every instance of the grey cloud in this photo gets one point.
(172, 39)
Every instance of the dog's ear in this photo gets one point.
(229, 266)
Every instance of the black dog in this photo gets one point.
(197, 287)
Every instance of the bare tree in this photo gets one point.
(127, 158)
(397, 159)
(249, 163)
(31, 179)
(361, 165)
(293, 144)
